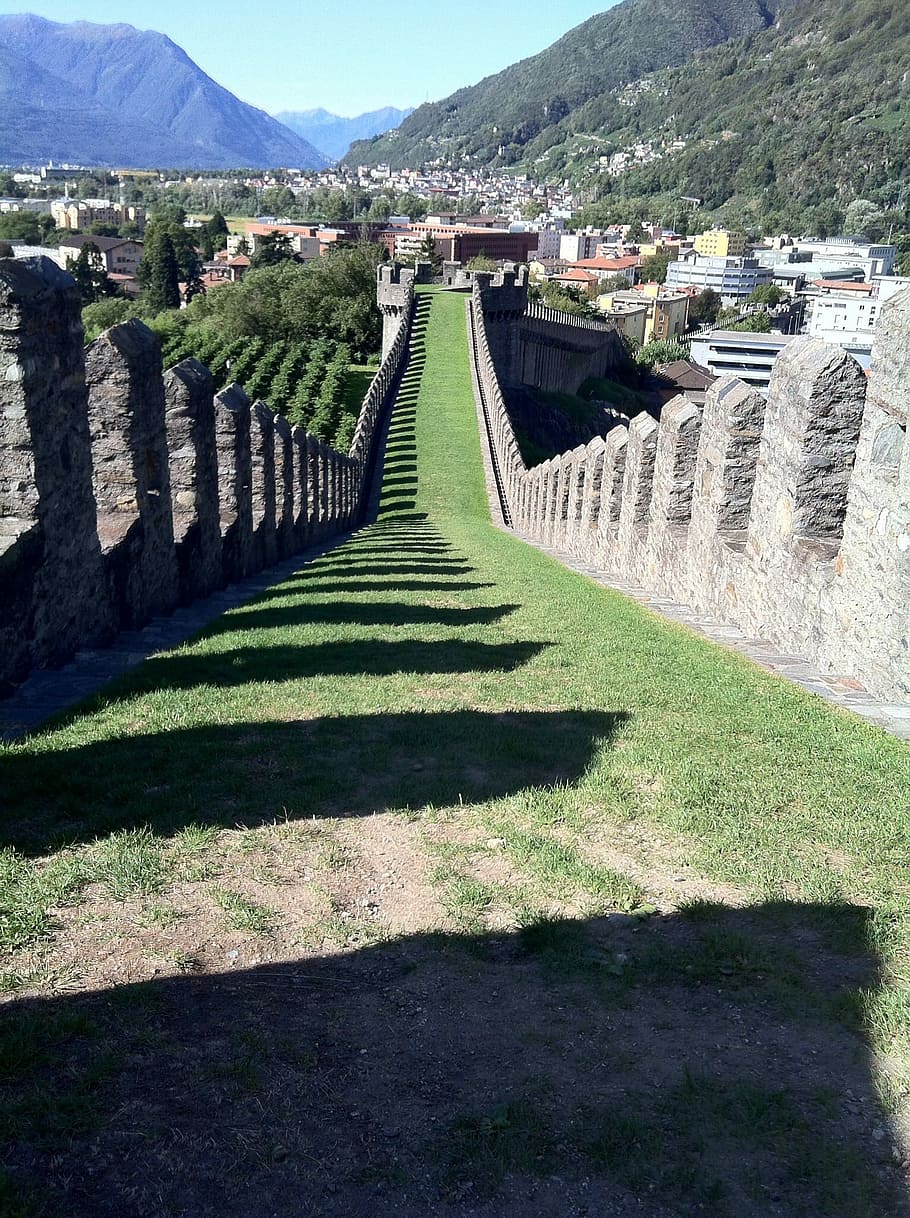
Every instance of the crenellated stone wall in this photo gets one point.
(788, 517)
(394, 295)
(126, 490)
(536, 346)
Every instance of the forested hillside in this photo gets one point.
(784, 128)
(509, 110)
(780, 126)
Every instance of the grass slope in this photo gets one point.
(441, 880)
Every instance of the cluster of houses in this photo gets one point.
(830, 288)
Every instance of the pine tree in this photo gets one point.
(89, 273)
(161, 275)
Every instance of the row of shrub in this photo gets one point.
(292, 335)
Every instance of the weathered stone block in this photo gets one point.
(53, 591)
(263, 496)
(232, 433)
(132, 471)
(190, 424)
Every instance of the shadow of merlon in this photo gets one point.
(665, 1069)
(253, 773)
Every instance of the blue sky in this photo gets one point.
(348, 56)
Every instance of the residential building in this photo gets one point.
(629, 318)
(121, 256)
(845, 313)
(573, 247)
(461, 243)
(843, 251)
(35, 206)
(667, 312)
(734, 279)
(606, 267)
(720, 243)
(83, 213)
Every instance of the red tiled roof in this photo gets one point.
(844, 285)
(609, 264)
(576, 275)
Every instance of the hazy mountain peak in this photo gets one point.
(113, 93)
(333, 134)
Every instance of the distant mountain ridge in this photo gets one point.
(105, 94)
(333, 134)
(502, 113)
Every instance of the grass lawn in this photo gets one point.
(440, 880)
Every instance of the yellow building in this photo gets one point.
(667, 312)
(721, 243)
(629, 319)
(650, 248)
(669, 316)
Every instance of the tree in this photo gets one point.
(704, 307)
(863, 218)
(661, 351)
(426, 252)
(767, 294)
(758, 323)
(654, 268)
(567, 299)
(90, 273)
(20, 226)
(216, 230)
(902, 241)
(272, 249)
(105, 313)
(482, 262)
(159, 272)
(614, 283)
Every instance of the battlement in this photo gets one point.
(126, 489)
(395, 298)
(537, 346)
(788, 517)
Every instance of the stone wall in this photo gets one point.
(789, 518)
(537, 346)
(126, 490)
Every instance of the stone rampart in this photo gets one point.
(394, 295)
(788, 517)
(126, 490)
(537, 346)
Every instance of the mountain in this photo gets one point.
(104, 94)
(780, 130)
(502, 113)
(333, 135)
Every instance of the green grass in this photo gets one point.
(441, 674)
(240, 913)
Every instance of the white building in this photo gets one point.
(845, 251)
(847, 319)
(574, 247)
(750, 357)
(734, 279)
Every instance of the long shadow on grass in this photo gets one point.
(253, 773)
(357, 613)
(670, 1068)
(293, 662)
